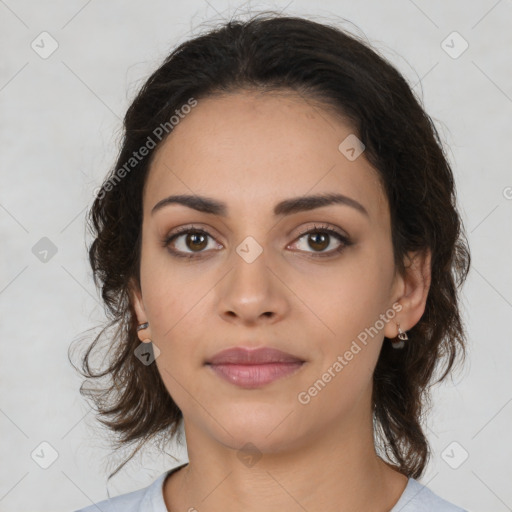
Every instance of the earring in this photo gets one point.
(402, 336)
(141, 327)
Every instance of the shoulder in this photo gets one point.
(419, 498)
(148, 498)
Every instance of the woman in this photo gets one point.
(279, 248)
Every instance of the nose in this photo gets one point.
(252, 292)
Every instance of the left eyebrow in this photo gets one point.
(286, 207)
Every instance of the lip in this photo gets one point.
(246, 356)
(253, 368)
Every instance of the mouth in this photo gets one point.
(253, 368)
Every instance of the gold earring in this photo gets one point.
(141, 327)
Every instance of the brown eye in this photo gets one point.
(195, 240)
(187, 242)
(320, 238)
(318, 241)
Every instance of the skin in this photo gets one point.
(252, 150)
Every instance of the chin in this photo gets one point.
(268, 432)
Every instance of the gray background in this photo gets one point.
(61, 118)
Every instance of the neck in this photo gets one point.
(334, 470)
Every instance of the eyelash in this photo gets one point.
(346, 242)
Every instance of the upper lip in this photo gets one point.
(262, 355)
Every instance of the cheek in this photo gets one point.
(354, 307)
(353, 296)
(165, 291)
(172, 307)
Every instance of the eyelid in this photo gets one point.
(194, 227)
(322, 227)
(174, 233)
(342, 237)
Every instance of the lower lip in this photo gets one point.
(254, 375)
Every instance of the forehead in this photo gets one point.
(249, 148)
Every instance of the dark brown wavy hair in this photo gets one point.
(346, 76)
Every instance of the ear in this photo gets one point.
(411, 292)
(135, 294)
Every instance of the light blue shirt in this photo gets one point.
(415, 498)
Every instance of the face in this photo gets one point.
(313, 283)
